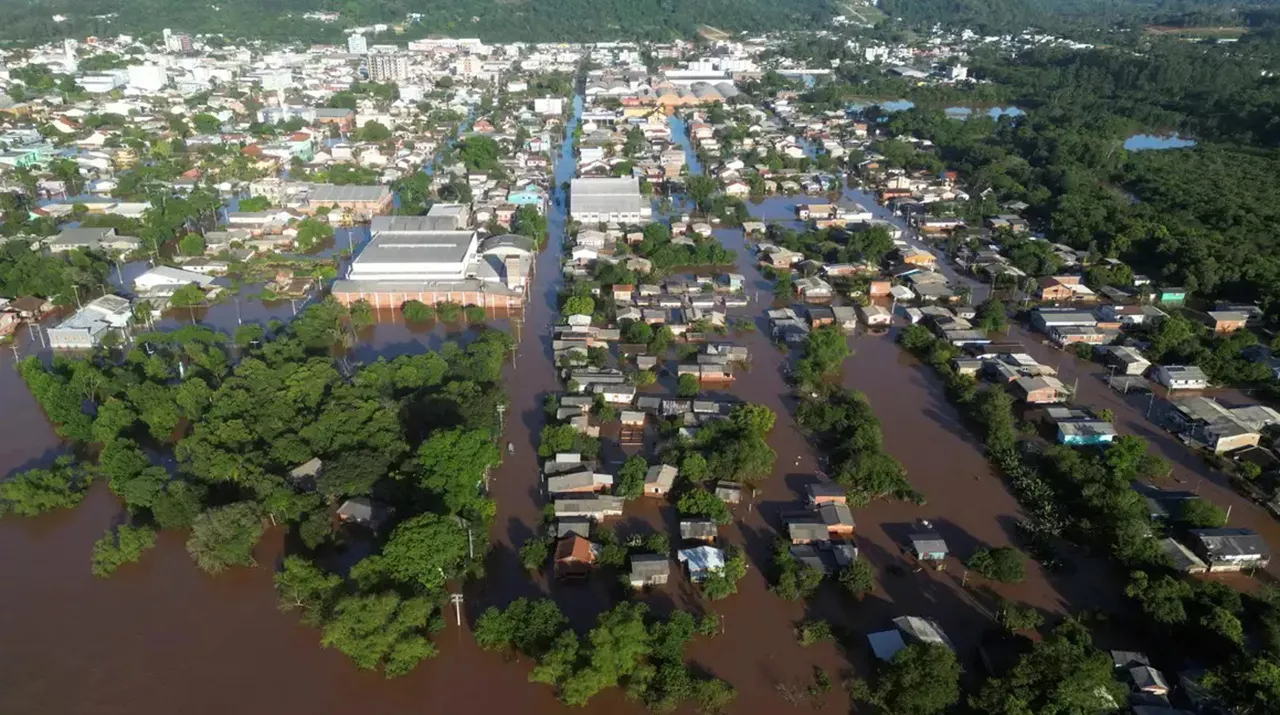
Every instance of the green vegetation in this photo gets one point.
(794, 580)
(119, 546)
(56, 276)
(630, 480)
(415, 433)
(417, 312)
(858, 578)
(811, 632)
(1004, 564)
(36, 491)
(921, 679)
(1062, 673)
(825, 351)
(625, 648)
(847, 428)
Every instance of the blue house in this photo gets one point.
(526, 197)
(1080, 433)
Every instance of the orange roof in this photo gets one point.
(575, 548)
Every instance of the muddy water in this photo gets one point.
(161, 637)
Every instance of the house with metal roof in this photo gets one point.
(1230, 549)
(608, 200)
(649, 570)
(701, 561)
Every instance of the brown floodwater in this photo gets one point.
(162, 637)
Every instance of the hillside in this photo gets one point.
(497, 20)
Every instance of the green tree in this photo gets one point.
(382, 630)
(373, 131)
(1246, 685)
(187, 296)
(579, 305)
(687, 385)
(1162, 599)
(225, 536)
(700, 502)
(311, 233)
(722, 583)
(811, 632)
(858, 578)
(694, 468)
(1004, 564)
(178, 505)
(36, 491)
(416, 312)
(304, 587)
(453, 463)
(630, 484)
(1201, 514)
(192, 244)
(1063, 673)
(921, 679)
(700, 189)
(534, 552)
(530, 626)
(1015, 618)
(122, 545)
(423, 552)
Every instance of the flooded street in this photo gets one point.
(162, 637)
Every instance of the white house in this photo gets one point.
(1181, 377)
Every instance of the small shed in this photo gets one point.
(649, 570)
(928, 546)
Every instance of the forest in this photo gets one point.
(1200, 218)
(414, 435)
(545, 20)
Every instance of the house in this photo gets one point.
(807, 532)
(364, 511)
(649, 570)
(583, 480)
(1131, 315)
(838, 518)
(928, 546)
(922, 630)
(1226, 321)
(699, 530)
(1060, 289)
(659, 480)
(304, 475)
(92, 239)
(1148, 680)
(874, 315)
(826, 493)
(701, 561)
(846, 318)
(1079, 433)
(1171, 296)
(1127, 360)
(575, 555)
(729, 492)
(1181, 377)
(1230, 549)
(86, 328)
(573, 525)
(1040, 390)
(595, 507)
(813, 288)
(1220, 428)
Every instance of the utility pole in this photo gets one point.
(502, 410)
(76, 288)
(1150, 404)
(456, 600)
(1228, 516)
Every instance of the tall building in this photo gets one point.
(357, 45)
(388, 68)
(176, 42)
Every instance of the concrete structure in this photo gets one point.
(1181, 377)
(165, 279)
(1220, 428)
(1230, 549)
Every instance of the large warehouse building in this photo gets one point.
(413, 258)
(608, 200)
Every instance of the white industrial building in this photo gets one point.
(165, 280)
(85, 329)
(608, 200)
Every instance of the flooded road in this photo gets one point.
(162, 637)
